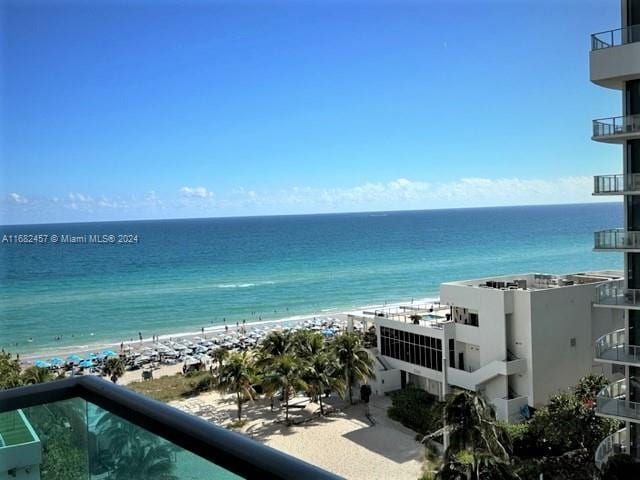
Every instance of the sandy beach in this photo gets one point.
(345, 442)
(208, 332)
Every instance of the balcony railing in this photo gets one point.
(612, 184)
(615, 294)
(612, 401)
(615, 38)
(612, 126)
(613, 347)
(100, 430)
(611, 445)
(616, 239)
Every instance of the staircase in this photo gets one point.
(472, 380)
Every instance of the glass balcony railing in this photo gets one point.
(613, 126)
(616, 239)
(611, 445)
(615, 38)
(616, 294)
(612, 184)
(85, 428)
(613, 347)
(612, 400)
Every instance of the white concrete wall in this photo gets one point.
(610, 67)
(519, 341)
(559, 315)
(385, 381)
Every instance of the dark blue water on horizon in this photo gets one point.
(186, 274)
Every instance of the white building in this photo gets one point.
(614, 62)
(518, 339)
(20, 448)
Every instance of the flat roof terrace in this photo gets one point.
(431, 315)
(539, 281)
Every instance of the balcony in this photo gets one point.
(611, 445)
(615, 295)
(617, 184)
(94, 429)
(615, 38)
(612, 402)
(615, 56)
(617, 239)
(612, 347)
(616, 129)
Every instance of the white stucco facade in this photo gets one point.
(518, 339)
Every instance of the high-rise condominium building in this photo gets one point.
(615, 64)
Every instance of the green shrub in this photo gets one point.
(204, 384)
(416, 409)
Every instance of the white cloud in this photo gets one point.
(405, 193)
(152, 199)
(195, 192)
(17, 199)
(80, 198)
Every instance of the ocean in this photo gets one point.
(181, 275)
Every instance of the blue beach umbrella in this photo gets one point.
(42, 364)
(108, 353)
(74, 358)
(55, 361)
(86, 364)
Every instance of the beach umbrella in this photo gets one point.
(74, 358)
(42, 364)
(86, 364)
(108, 353)
(55, 361)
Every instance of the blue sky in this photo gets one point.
(125, 110)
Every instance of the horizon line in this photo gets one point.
(305, 214)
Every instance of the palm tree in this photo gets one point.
(145, 462)
(354, 360)
(323, 374)
(220, 355)
(285, 374)
(33, 375)
(277, 343)
(477, 444)
(237, 375)
(307, 344)
(131, 452)
(113, 368)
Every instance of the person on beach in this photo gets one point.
(140, 336)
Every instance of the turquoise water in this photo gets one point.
(186, 274)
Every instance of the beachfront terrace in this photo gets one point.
(537, 281)
(432, 315)
(100, 425)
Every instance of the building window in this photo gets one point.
(412, 348)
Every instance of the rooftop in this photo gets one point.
(539, 281)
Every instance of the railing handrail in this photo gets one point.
(614, 390)
(595, 37)
(614, 292)
(601, 339)
(229, 450)
(617, 117)
(616, 183)
(605, 448)
(616, 238)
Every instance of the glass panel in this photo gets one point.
(76, 440)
